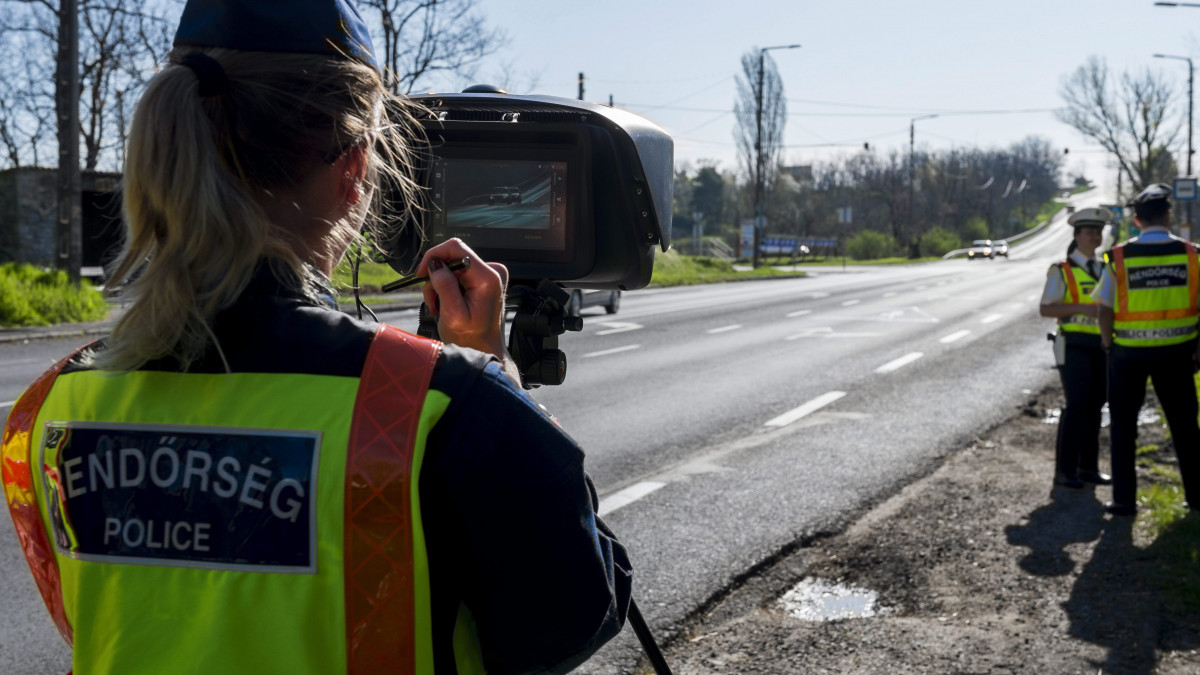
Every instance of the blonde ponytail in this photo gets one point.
(199, 171)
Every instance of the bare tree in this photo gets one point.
(422, 37)
(1129, 118)
(761, 112)
(121, 41)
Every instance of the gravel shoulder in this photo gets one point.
(980, 568)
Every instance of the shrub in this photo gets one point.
(938, 241)
(870, 245)
(976, 228)
(30, 296)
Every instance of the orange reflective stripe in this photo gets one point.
(1072, 287)
(1122, 284)
(1158, 315)
(16, 450)
(378, 552)
(1193, 274)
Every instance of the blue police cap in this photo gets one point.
(330, 27)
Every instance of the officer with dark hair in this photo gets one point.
(1148, 313)
(1081, 359)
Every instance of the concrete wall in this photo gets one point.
(28, 208)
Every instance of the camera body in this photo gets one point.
(553, 188)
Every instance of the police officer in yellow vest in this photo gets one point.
(1148, 297)
(1067, 297)
(243, 480)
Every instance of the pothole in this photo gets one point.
(820, 600)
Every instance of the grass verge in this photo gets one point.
(31, 296)
(1173, 529)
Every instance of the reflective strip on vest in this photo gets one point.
(1156, 297)
(160, 593)
(1078, 295)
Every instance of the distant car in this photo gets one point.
(609, 300)
(504, 195)
(1001, 247)
(982, 248)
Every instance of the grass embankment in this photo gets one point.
(1166, 523)
(837, 262)
(31, 296)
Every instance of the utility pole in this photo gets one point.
(760, 161)
(69, 222)
(1191, 99)
(912, 175)
(581, 86)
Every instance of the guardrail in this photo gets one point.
(1016, 237)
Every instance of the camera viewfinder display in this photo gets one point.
(512, 204)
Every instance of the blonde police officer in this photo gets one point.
(1082, 365)
(1148, 312)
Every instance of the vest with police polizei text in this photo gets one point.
(1079, 285)
(235, 523)
(1156, 293)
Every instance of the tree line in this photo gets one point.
(956, 196)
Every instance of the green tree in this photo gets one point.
(938, 241)
(976, 228)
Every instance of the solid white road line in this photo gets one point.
(723, 329)
(6, 404)
(627, 496)
(606, 352)
(992, 318)
(954, 336)
(801, 312)
(806, 409)
(850, 302)
(899, 363)
(617, 327)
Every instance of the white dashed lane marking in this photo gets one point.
(850, 302)
(992, 318)
(617, 327)
(802, 312)
(723, 329)
(955, 336)
(6, 404)
(806, 409)
(899, 363)
(627, 496)
(606, 352)
(890, 294)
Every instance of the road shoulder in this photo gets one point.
(981, 568)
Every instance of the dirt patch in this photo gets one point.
(980, 568)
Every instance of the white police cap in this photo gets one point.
(1096, 216)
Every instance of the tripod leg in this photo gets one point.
(643, 634)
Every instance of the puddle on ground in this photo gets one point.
(1146, 415)
(820, 600)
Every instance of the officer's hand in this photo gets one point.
(468, 303)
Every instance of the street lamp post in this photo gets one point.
(1191, 73)
(912, 176)
(760, 217)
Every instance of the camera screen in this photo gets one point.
(512, 204)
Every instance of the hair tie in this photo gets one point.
(209, 73)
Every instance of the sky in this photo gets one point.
(865, 67)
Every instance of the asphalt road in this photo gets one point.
(725, 423)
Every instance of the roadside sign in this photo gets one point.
(845, 214)
(1185, 189)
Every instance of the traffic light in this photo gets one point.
(1066, 151)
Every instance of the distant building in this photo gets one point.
(801, 174)
(29, 207)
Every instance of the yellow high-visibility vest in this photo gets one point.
(1156, 293)
(1079, 292)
